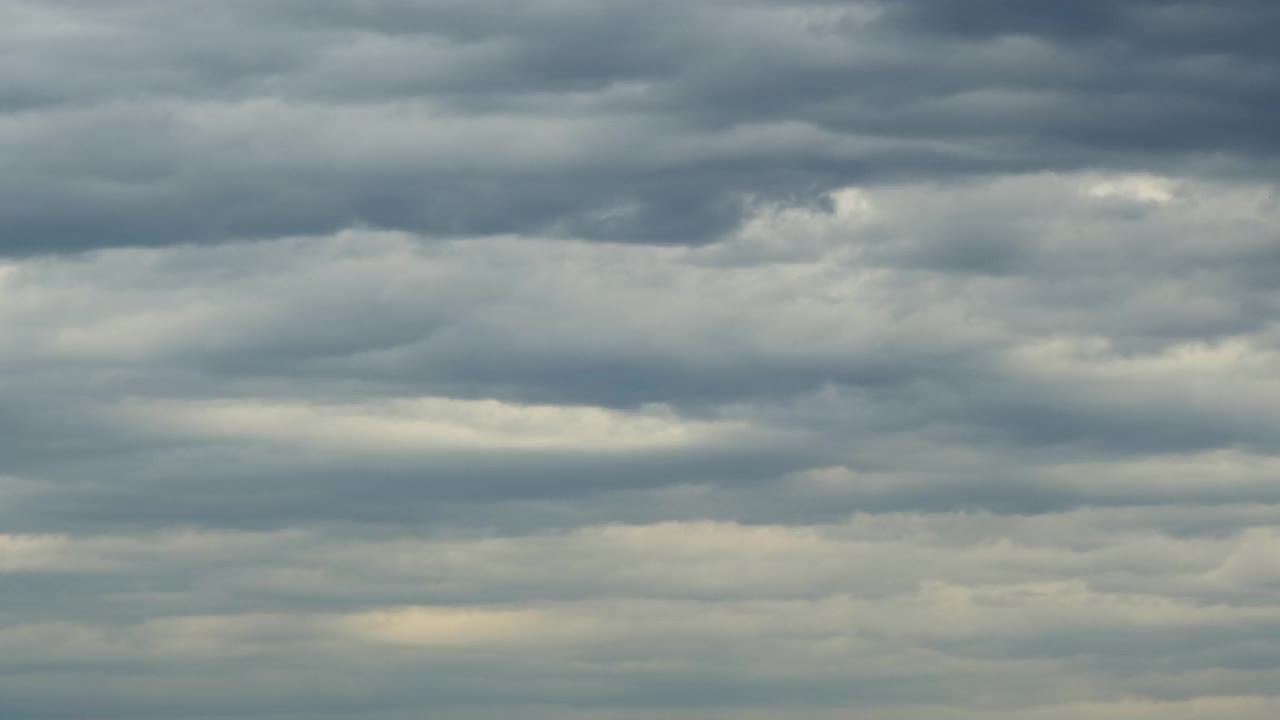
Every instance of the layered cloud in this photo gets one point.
(604, 361)
(152, 123)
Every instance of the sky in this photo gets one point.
(663, 360)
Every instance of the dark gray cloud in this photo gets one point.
(158, 124)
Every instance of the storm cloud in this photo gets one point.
(604, 361)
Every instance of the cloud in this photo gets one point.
(157, 125)
(889, 610)
(691, 360)
(912, 335)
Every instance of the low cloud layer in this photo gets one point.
(147, 123)
(700, 360)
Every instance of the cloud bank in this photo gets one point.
(604, 361)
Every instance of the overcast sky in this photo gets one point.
(667, 359)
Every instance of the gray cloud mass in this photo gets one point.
(586, 360)
(144, 123)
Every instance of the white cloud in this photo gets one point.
(426, 424)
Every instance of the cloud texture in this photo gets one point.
(604, 361)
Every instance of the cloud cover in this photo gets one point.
(598, 360)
